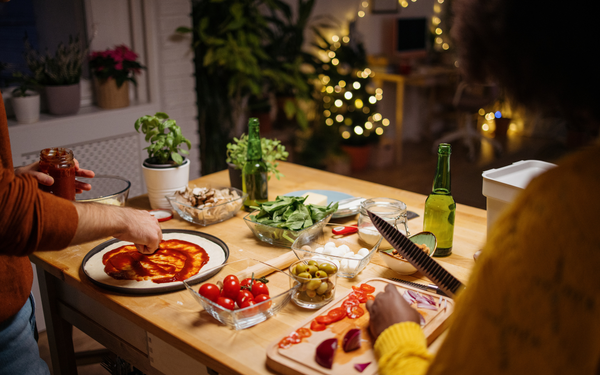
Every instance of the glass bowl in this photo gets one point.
(208, 215)
(402, 266)
(313, 292)
(321, 247)
(284, 237)
(111, 190)
(279, 291)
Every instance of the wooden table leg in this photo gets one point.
(60, 332)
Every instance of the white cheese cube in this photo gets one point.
(314, 198)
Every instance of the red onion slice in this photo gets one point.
(351, 340)
(360, 367)
(326, 352)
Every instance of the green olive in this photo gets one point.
(328, 267)
(305, 275)
(312, 269)
(313, 263)
(301, 267)
(327, 295)
(313, 284)
(322, 288)
(302, 287)
(320, 274)
(311, 293)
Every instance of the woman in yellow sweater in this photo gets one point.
(532, 303)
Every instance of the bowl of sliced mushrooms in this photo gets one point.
(207, 205)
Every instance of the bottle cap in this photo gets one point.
(161, 215)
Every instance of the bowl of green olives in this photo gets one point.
(316, 279)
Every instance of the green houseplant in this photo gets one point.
(165, 170)
(25, 99)
(59, 73)
(272, 150)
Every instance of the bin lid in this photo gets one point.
(504, 183)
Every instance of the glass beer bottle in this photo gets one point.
(254, 173)
(440, 207)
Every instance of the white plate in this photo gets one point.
(93, 267)
(332, 196)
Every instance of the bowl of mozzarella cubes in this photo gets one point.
(345, 252)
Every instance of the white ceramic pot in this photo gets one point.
(27, 108)
(165, 181)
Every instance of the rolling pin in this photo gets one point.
(282, 262)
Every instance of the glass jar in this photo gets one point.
(58, 163)
(391, 210)
(315, 280)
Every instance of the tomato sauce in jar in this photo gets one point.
(58, 163)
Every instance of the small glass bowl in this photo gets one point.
(307, 246)
(110, 190)
(284, 237)
(208, 215)
(252, 315)
(314, 292)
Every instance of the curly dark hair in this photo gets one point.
(539, 51)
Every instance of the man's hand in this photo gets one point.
(34, 170)
(97, 220)
(143, 230)
(389, 308)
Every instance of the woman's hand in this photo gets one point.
(389, 308)
(34, 170)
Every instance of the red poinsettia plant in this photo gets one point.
(119, 63)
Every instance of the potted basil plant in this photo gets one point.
(166, 170)
(272, 150)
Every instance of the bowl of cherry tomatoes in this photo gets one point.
(242, 299)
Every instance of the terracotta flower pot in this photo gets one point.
(359, 156)
(109, 96)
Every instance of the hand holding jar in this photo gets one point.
(58, 163)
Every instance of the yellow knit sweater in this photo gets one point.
(532, 304)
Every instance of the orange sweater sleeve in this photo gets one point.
(29, 218)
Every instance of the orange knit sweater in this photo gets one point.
(29, 220)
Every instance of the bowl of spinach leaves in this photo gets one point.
(281, 221)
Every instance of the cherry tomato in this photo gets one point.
(259, 288)
(337, 314)
(285, 343)
(263, 297)
(367, 288)
(210, 291)
(295, 338)
(303, 332)
(226, 303)
(251, 310)
(355, 312)
(370, 297)
(360, 295)
(231, 289)
(246, 282)
(231, 277)
(316, 326)
(324, 319)
(242, 296)
(350, 302)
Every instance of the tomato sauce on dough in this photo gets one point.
(175, 260)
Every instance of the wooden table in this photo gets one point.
(168, 333)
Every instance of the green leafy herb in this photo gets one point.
(164, 146)
(272, 150)
(291, 213)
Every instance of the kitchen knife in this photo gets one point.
(427, 288)
(415, 256)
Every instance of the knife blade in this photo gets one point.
(415, 256)
(427, 288)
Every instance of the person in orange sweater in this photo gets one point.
(32, 220)
(532, 302)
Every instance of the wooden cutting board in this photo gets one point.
(300, 358)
